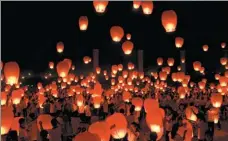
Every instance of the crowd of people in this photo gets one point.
(69, 120)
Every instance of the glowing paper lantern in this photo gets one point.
(118, 125)
(16, 96)
(60, 47)
(147, 7)
(217, 76)
(190, 115)
(138, 103)
(223, 45)
(3, 98)
(120, 67)
(181, 91)
(126, 96)
(223, 81)
(170, 61)
(51, 65)
(169, 20)
(136, 4)
(87, 59)
(127, 47)
(155, 122)
(162, 75)
(216, 100)
(179, 41)
(86, 136)
(159, 61)
(128, 36)
(100, 6)
(46, 121)
(201, 85)
(196, 65)
(62, 69)
(15, 124)
(223, 61)
(101, 129)
(116, 33)
(69, 62)
(6, 119)
(83, 23)
(97, 102)
(150, 104)
(11, 73)
(205, 48)
(182, 60)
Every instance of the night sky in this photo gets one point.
(30, 31)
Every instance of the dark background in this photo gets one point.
(30, 31)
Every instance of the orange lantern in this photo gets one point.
(181, 91)
(216, 100)
(223, 81)
(6, 119)
(101, 129)
(150, 104)
(15, 124)
(39, 85)
(205, 48)
(196, 65)
(62, 68)
(128, 36)
(83, 23)
(159, 61)
(126, 96)
(86, 136)
(11, 73)
(223, 61)
(46, 122)
(98, 70)
(120, 67)
(162, 75)
(170, 62)
(202, 69)
(179, 41)
(131, 66)
(179, 68)
(138, 103)
(116, 33)
(127, 47)
(97, 102)
(169, 20)
(87, 59)
(80, 100)
(41, 99)
(154, 121)
(190, 115)
(100, 6)
(125, 74)
(16, 96)
(60, 47)
(3, 98)
(73, 67)
(217, 76)
(118, 125)
(201, 85)
(51, 65)
(147, 7)
(183, 60)
(136, 4)
(69, 62)
(223, 45)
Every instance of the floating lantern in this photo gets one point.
(62, 69)
(196, 65)
(87, 59)
(159, 61)
(51, 65)
(127, 47)
(101, 129)
(205, 48)
(147, 7)
(100, 6)
(138, 103)
(128, 36)
(83, 23)
(170, 62)
(136, 4)
(116, 33)
(11, 73)
(60, 47)
(223, 45)
(223, 61)
(216, 100)
(169, 20)
(179, 41)
(6, 119)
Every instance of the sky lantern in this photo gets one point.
(223, 81)
(201, 70)
(162, 75)
(179, 68)
(147, 7)
(127, 47)
(159, 61)
(136, 4)
(181, 91)
(87, 59)
(100, 6)
(150, 104)
(83, 23)
(138, 103)
(116, 33)
(213, 115)
(120, 67)
(97, 102)
(223, 45)
(154, 121)
(114, 69)
(190, 115)
(15, 124)
(16, 96)
(60, 47)
(11, 73)
(131, 66)
(86, 136)
(101, 129)
(125, 74)
(182, 60)
(196, 65)
(223, 61)
(98, 70)
(201, 85)
(69, 62)
(217, 76)
(7, 117)
(179, 41)
(170, 62)
(128, 36)
(169, 20)
(80, 100)
(39, 85)
(62, 69)
(216, 100)
(126, 96)
(51, 65)
(73, 67)
(46, 121)
(3, 98)
(41, 100)
(118, 125)
(205, 48)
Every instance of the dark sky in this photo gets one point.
(30, 31)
